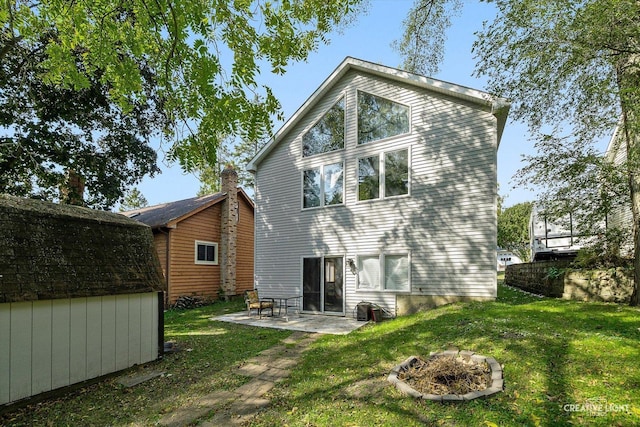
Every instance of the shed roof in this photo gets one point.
(52, 251)
(169, 214)
(498, 106)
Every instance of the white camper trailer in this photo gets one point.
(552, 239)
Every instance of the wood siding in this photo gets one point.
(55, 343)
(447, 223)
(245, 248)
(160, 243)
(187, 277)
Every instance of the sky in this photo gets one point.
(370, 39)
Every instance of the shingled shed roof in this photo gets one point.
(51, 251)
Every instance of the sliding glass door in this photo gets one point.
(323, 284)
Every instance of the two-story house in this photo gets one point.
(381, 188)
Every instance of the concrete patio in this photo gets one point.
(335, 325)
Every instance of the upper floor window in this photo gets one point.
(327, 134)
(396, 173)
(323, 186)
(380, 118)
(385, 175)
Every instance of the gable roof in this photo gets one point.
(169, 214)
(499, 106)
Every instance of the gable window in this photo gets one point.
(380, 118)
(388, 272)
(327, 134)
(383, 176)
(323, 186)
(206, 253)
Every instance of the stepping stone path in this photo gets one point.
(233, 408)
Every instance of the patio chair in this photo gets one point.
(254, 302)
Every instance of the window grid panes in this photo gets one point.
(333, 184)
(396, 173)
(369, 178)
(396, 272)
(323, 186)
(380, 118)
(387, 272)
(327, 134)
(393, 166)
(311, 188)
(368, 272)
(206, 253)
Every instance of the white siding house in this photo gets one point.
(380, 188)
(622, 216)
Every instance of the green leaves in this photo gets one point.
(206, 57)
(513, 229)
(422, 43)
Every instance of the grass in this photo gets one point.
(555, 353)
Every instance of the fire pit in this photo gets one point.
(450, 376)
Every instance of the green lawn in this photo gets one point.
(555, 354)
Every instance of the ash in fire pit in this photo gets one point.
(448, 376)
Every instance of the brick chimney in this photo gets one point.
(229, 224)
(72, 192)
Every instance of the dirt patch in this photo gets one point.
(447, 374)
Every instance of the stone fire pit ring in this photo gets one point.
(496, 386)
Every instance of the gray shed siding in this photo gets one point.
(447, 223)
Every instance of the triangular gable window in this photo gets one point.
(327, 134)
(380, 118)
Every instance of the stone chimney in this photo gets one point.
(229, 224)
(72, 192)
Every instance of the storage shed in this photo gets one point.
(80, 296)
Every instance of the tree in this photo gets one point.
(424, 35)
(47, 131)
(134, 199)
(513, 229)
(572, 72)
(205, 57)
(243, 151)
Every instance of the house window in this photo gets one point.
(396, 173)
(333, 184)
(391, 169)
(206, 253)
(369, 178)
(323, 186)
(327, 134)
(388, 272)
(396, 272)
(380, 118)
(369, 272)
(311, 189)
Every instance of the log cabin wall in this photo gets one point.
(185, 276)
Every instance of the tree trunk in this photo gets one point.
(634, 186)
(629, 82)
